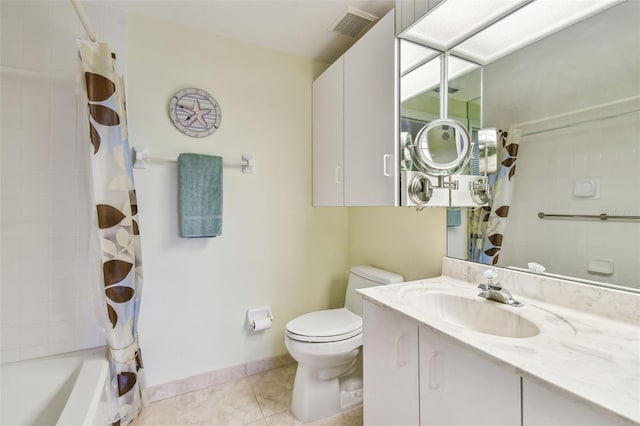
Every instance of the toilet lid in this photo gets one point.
(325, 326)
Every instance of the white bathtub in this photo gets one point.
(62, 390)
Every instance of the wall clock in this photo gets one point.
(195, 112)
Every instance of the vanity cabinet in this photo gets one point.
(354, 141)
(460, 387)
(414, 375)
(390, 365)
(543, 406)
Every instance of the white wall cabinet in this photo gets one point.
(328, 115)
(409, 11)
(390, 365)
(360, 86)
(460, 387)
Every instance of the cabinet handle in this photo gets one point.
(338, 174)
(433, 368)
(385, 170)
(400, 361)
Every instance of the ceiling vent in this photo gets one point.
(450, 89)
(353, 22)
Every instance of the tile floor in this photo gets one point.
(259, 400)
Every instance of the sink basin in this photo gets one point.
(476, 313)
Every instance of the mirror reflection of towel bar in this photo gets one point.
(602, 216)
(140, 157)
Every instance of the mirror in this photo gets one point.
(433, 146)
(442, 147)
(576, 105)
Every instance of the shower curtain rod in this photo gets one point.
(577, 123)
(82, 16)
(578, 111)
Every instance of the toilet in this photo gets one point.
(326, 344)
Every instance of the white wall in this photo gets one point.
(47, 284)
(555, 76)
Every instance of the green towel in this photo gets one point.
(200, 195)
(454, 217)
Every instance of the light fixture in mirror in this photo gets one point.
(420, 80)
(414, 55)
(528, 24)
(483, 31)
(452, 21)
(422, 70)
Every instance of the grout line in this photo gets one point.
(255, 397)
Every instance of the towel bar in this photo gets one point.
(140, 157)
(602, 216)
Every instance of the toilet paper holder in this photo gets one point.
(259, 319)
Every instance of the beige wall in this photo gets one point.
(403, 240)
(276, 249)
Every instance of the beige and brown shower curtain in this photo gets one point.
(487, 224)
(117, 223)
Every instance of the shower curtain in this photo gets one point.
(487, 223)
(117, 223)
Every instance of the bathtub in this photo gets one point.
(63, 390)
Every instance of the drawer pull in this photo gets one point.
(400, 361)
(385, 169)
(433, 368)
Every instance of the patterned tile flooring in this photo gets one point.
(259, 400)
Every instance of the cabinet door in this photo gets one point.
(370, 142)
(409, 11)
(544, 407)
(328, 115)
(390, 357)
(460, 387)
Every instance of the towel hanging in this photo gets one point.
(200, 195)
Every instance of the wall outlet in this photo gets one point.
(587, 187)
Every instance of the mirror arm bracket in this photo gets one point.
(444, 85)
(447, 184)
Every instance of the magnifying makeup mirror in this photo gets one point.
(442, 147)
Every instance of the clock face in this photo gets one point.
(195, 112)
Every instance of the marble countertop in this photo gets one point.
(591, 356)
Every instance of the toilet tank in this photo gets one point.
(362, 277)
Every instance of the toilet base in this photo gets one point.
(314, 398)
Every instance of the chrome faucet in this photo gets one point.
(492, 289)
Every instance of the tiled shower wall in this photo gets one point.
(49, 272)
(607, 150)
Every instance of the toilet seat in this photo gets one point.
(329, 325)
